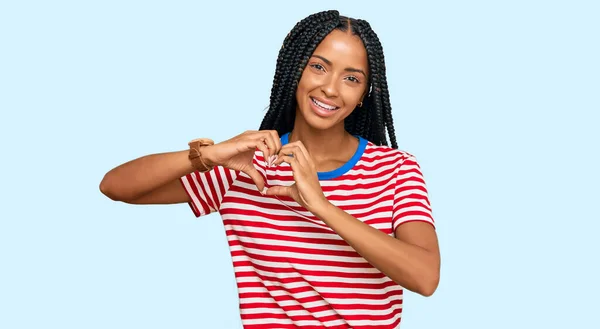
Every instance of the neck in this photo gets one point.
(324, 146)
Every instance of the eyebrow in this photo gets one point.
(349, 69)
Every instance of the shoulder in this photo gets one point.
(385, 154)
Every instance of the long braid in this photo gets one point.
(280, 115)
(372, 119)
(375, 50)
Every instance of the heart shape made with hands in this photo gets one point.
(276, 175)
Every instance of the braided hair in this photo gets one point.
(371, 119)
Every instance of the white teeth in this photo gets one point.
(323, 105)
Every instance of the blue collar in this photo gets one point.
(362, 145)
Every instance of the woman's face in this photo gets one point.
(333, 82)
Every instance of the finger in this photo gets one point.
(270, 142)
(285, 158)
(287, 149)
(260, 144)
(304, 151)
(279, 190)
(251, 145)
(255, 136)
(256, 178)
(277, 140)
(302, 155)
(296, 152)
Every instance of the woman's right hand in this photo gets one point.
(237, 153)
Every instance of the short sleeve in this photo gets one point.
(411, 199)
(206, 190)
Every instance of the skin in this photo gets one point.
(411, 258)
(326, 78)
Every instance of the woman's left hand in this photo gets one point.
(306, 189)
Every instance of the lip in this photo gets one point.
(324, 101)
(321, 112)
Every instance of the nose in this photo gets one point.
(330, 87)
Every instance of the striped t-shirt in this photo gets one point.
(291, 269)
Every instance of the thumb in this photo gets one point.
(280, 190)
(257, 178)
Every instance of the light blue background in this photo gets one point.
(498, 100)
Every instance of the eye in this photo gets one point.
(353, 79)
(318, 67)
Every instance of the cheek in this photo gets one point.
(305, 85)
(353, 95)
(301, 85)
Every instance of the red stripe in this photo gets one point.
(321, 284)
(210, 191)
(339, 241)
(195, 210)
(362, 264)
(220, 173)
(377, 275)
(311, 251)
(417, 220)
(373, 297)
(369, 192)
(399, 206)
(197, 192)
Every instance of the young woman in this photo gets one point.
(327, 223)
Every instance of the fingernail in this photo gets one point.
(264, 191)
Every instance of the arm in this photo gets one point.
(155, 178)
(156, 173)
(412, 259)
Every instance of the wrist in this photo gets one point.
(208, 155)
(197, 154)
(322, 208)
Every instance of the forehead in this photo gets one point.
(344, 49)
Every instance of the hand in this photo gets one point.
(237, 153)
(306, 189)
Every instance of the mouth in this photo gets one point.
(323, 106)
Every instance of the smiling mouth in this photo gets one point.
(323, 105)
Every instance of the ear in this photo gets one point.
(367, 92)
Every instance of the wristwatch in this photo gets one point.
(195, 154)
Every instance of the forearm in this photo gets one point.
(140, 176)
(411, 266)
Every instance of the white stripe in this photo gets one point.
(413, 218)
(383, 177)
(205, 189)
(310, 279)
(226, 182)
(327, 290)
(319, 303)
(202, 189)
(279, 293)
(385, 215)
(377, 196)
(380, 323)
(405, 193)
(305, 267)
(311, 257)
(216, 176)
(413, 208)
(193, 196)
(287, 243)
